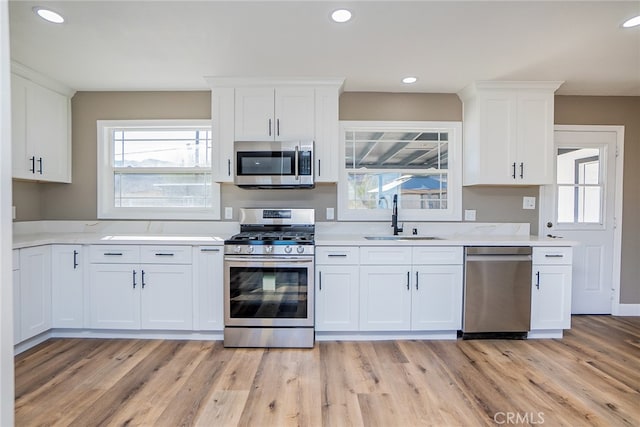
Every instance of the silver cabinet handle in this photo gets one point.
(408, 280)
(278, 127)
(75, 259)
(228, 167)
(521, 170)
(514, 170)
(538, 280)
(319, 173)
(554, 256)
(163, 254)
(209, 250)
(143, 284)
(113, 254)
(417, 275)
(40, 165)
(320, 279)
(269, 127)
(33, 164)
(134, 279)
(337, 255)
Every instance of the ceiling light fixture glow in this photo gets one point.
(633, 22)
(49, 15)
(409, 80)
(341, 15)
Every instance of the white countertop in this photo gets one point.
(452, 240)
(37, 239)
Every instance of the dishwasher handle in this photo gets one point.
(494, 258)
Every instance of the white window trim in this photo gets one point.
(454, 176)
(105, 189)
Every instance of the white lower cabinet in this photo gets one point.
(337, 289)
(148, 287)
(17, 330)
(67, 286)
(551, 290)
(208, 290)
(35, 291)
(425, 295)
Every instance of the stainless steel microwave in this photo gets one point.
(273, 164)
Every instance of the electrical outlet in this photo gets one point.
(330, 214)
(469, 214)
(228, 212)
(528, 203)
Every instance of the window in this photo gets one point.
(156, 169)
(418, 161)
(580, 186)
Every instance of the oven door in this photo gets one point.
(268, 291)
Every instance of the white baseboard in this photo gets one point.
(626, 310)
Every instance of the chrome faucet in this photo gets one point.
(394, 216)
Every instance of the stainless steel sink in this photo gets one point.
(402, 238)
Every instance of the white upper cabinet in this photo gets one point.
(267, 114)
(41, 129)
(248, 109)
(508, 133)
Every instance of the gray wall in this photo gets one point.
(77, 201)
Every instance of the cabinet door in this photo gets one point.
(222, 133)
(254, 119)
(337, 298)
(48, 133)
(535, 139)
(551, 297)
(35, 291)
(498, 137)
(294, 113)
(17, 317)
(385, 298)
(436, 303)
(327, 135)
(208, 291)
(167, 296)
(114, 295)
(67, 288)
(19, 155)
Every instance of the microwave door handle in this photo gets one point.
(295, 162)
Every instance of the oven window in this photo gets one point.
(261, 163)
(268, 293)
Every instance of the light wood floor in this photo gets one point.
(589, 378)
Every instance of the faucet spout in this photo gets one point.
(394, 216)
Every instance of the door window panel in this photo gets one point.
(580, 186)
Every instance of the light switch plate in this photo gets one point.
(528, 203)
(228, 212)
(330, 214)
(469, 214)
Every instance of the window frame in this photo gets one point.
(454, 172)
(106, 171)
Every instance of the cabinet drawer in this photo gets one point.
(114, 254)
(385, 255)
(337, 255)
(552, 255)
(437, 255)
(16, 259)
(165, 254)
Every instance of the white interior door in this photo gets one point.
(580, 206)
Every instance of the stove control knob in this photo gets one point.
(249, 249)
(287, 249)
(237, 249)
(300, 249)
(268, 249)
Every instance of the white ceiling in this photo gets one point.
(172, 45)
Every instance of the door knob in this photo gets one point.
(549, 225)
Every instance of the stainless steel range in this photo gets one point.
(269, 279)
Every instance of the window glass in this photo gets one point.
(410, 159)
(580, 186)
(156, 169)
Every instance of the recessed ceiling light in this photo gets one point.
(409, 80)
(49, 15)
(633, 22)
(341, 15)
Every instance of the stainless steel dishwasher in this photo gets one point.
(497, 292)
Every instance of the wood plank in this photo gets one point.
(591, 377)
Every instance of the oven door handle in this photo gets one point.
(270, 260)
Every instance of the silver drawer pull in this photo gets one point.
(113, 254)
(554, 256)
(209, 250)
(337, 255)
(161, 254)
